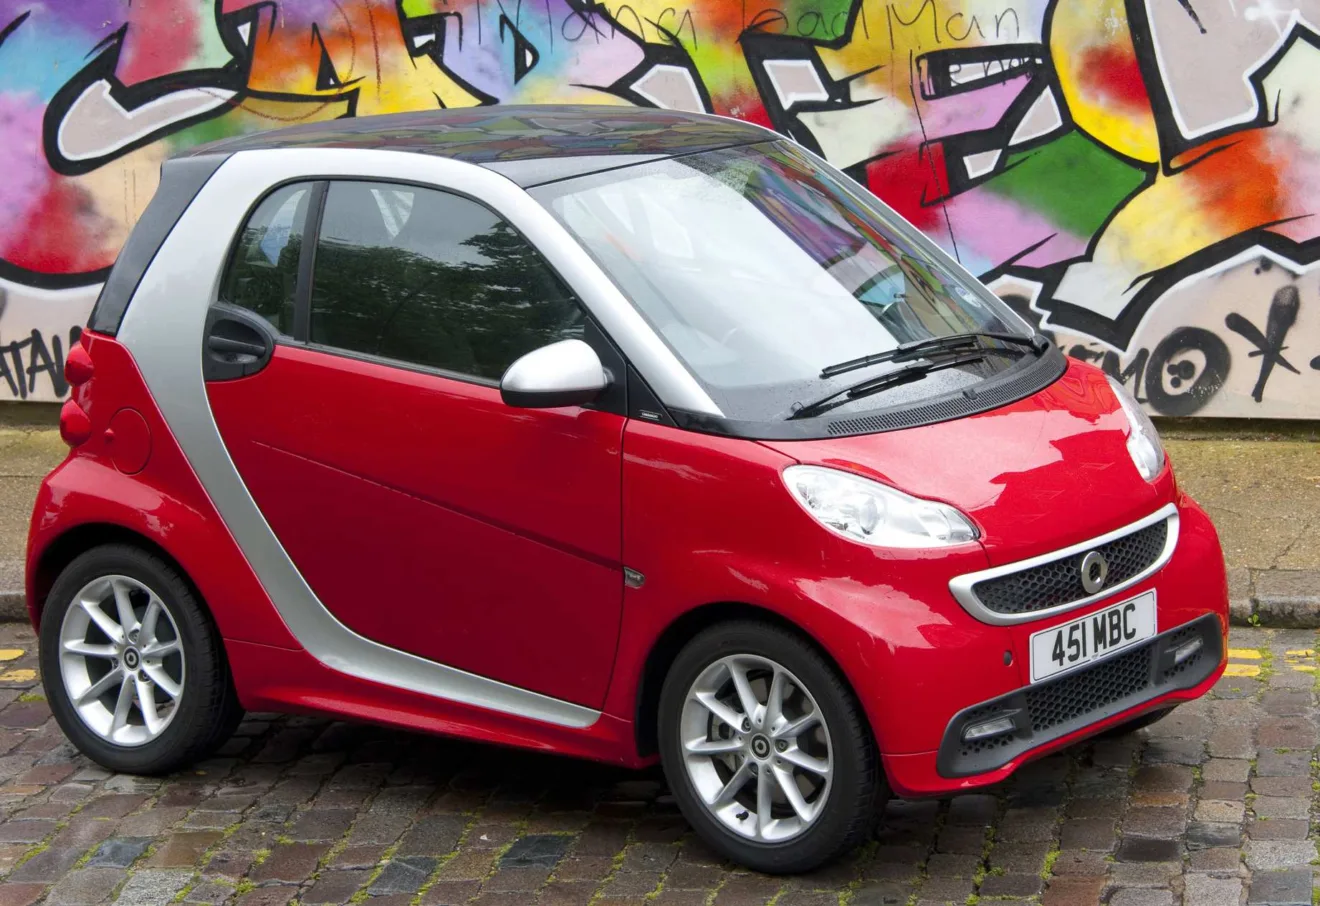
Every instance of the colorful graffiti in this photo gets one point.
(1140, 178)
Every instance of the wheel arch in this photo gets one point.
(77, 540)
(671, 640)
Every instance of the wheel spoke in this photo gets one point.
(712, 746)
(122, 706)
(789, 787)
(762, 701)
(146, 696)
(719, 709)
(794, 729)
(103, 620)
(746, 697)
(147, 634)
(736, 783)
(774, 701)
(160, 649)
(100, 687)
(794, 755)
(764, 804)
(127, 619)
(87, 649)
(163, 679)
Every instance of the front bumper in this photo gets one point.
(920, 760)
(1055, 709)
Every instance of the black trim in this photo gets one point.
(562, 399)
(302, 293)
(643, 404)
(614, 398)
(180, 181)
(1030, 376)
(956, 759)
(236, 342)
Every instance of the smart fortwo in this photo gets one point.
(622, 434)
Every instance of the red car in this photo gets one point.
(623, 434)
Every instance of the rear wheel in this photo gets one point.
(766, 751)
(133, 667)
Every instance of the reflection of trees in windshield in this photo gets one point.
(474, 316)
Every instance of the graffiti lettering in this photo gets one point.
(1269, 346)
(23, 361)
(1084, 156)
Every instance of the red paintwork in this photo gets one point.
(163, 503)
(78, 368)
(274, 679)
(431, 517)
(75, 426)
(129, 440)
(1042, 473)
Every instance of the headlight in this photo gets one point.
(863, 510)
(1143, 441)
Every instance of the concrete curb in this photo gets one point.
(1276, 598)
(1273, 598)
(13, 607)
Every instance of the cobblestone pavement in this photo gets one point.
(1212, 806)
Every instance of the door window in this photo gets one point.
(432, 279)
(263, 274)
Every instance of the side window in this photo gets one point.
(433, 279)
(263, 275)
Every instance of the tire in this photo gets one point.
(843, 804)
(170, 619)
(1136, 724)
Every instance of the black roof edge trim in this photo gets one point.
(181, 178)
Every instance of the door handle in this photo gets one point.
(233, 346)
(237, 343)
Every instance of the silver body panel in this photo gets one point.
(163, 330)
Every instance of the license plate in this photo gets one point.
(1092, 637)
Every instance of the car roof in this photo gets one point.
(529, 144)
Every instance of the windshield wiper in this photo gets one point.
(905, 375)
(906, 352)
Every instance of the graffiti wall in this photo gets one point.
(1139, 178)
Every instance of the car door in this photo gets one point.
(354, 381)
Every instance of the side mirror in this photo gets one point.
(567, 373)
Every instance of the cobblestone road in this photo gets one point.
(1212, 806)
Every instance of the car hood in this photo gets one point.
(1040, 474)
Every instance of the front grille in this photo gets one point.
(1077, 695)
(1059, 582)
(1057, 707)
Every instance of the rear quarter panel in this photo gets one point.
(163, 502)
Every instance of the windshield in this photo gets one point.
(759, 269)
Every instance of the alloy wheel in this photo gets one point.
(121, 660)
(756, 748)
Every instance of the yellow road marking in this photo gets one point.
(1230, 670)
(1302, 660)
(11, 654)
(1244, 654)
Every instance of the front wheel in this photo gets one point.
(133, 666)
(767, 752)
